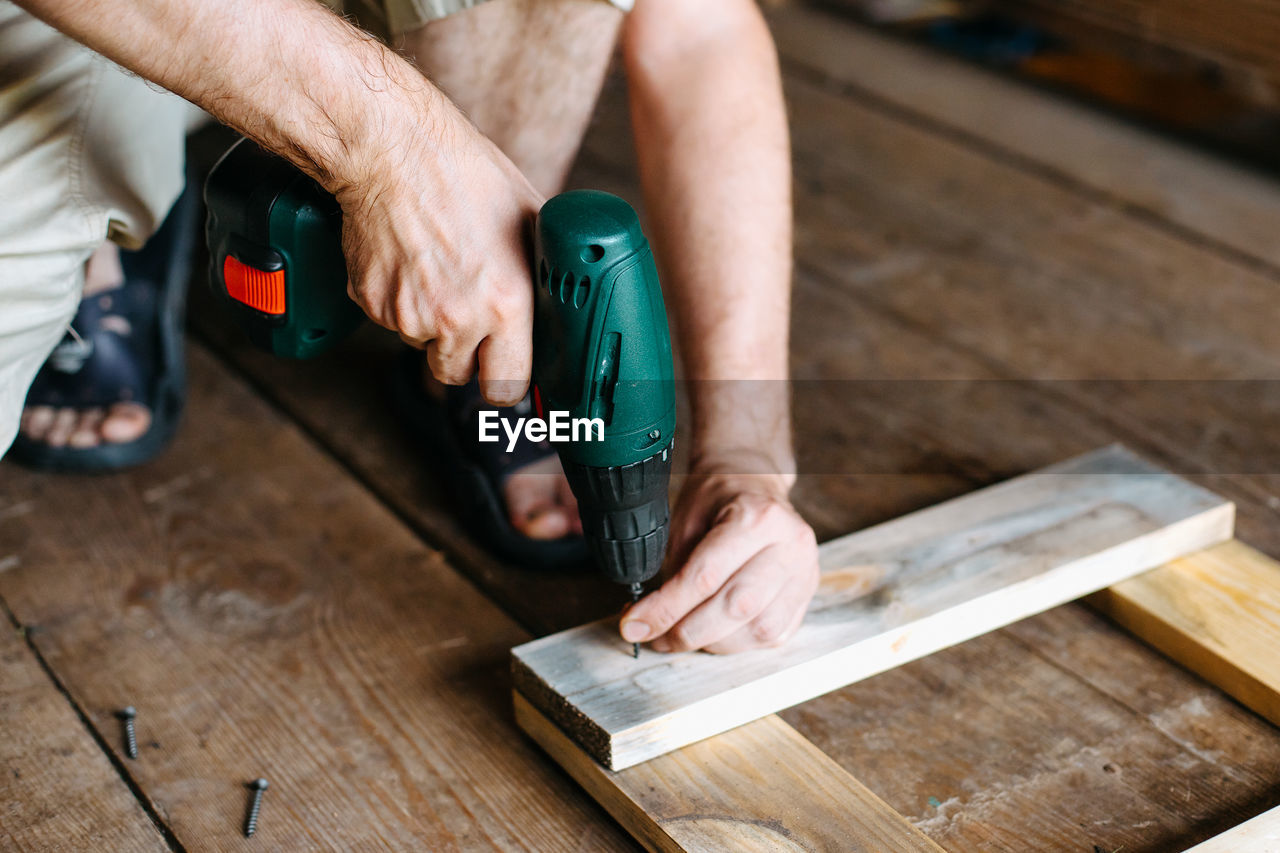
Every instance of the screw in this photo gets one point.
(636, 591)
(126, 716)
(255, 804)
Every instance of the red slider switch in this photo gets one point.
(254, 287)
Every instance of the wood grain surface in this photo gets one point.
(57, 789)
(1216, 612)
(889, 595)
(757, 789)
(268, 617)
(1016, 269)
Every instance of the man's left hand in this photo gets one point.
(743, 565)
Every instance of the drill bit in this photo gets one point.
(637, 590)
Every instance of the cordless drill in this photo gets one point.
(600, 340)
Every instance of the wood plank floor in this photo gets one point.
(56, 785)
(1037, 316)
(268, 617)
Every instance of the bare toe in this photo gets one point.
(64, 421)
(85, 433)
(549, 523)
(36, 421)
(535, 503)
(125, 422)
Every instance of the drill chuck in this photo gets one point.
(624, 514)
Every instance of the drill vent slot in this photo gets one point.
(580, 292)
(564, 286)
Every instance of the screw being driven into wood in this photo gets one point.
(637, 590)
(126, 716)
(255, 805)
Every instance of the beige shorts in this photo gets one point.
(87, 152)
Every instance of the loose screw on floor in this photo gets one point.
(126, 716)
(257, 786)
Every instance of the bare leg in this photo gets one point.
(528, 73)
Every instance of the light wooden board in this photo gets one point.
(1257, 835)
(890, 594)
(760, 788)
(57, 789)
(1217, 613)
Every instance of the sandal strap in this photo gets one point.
(96, 364)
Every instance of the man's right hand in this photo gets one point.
(437, 250)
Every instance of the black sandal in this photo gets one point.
(96, 366)
(476, 472)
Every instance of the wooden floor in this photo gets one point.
(286, 593)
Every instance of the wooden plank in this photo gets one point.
(761, 787)
(890, 594)
(1257, 835)
(57, 789)
(1186, 187)
(268, 617)
(1217, 613)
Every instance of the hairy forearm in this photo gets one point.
(712, 141)
(287, 73)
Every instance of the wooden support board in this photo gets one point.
(1217, 613)
(761, 787)
(890, 594)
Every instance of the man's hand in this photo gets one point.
(744, 563)
(437, 251)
